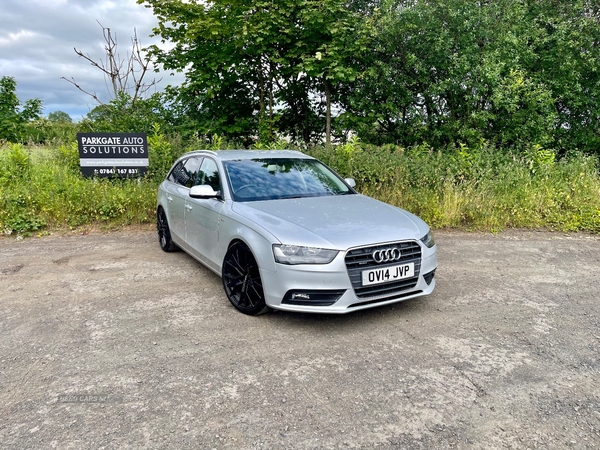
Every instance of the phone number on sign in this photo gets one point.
(117, 171)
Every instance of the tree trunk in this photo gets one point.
(261, 87)
(271, 99)
(327, 114)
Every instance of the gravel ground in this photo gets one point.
(107, 342)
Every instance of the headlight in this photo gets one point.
(294, 254)
(428, 240)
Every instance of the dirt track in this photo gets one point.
(107, 342)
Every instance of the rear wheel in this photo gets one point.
(242, 282)
(164, 233)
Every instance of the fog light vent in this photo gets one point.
(312, 298)
(429, 277)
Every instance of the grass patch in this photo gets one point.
(467, 188)
(41, 188)
(477, 189)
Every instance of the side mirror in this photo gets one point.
(203, 192)
(350, 182)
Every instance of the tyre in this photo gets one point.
(164, 234)
(242, 282)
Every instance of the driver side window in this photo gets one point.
(209, 174)
(191, 168)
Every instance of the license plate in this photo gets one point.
(388, 274)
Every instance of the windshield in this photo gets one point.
(277, 178)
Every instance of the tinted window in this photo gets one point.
(275, 178)
(186, 172)
(174, 175)
(209, 174)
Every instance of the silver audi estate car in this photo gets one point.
(286, 232)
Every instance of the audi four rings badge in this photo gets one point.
(387, 255)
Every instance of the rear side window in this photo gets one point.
(186, 172)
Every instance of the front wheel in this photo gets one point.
(164, 233)
(242, 282)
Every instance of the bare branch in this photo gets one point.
(93, 95)
(122, 75)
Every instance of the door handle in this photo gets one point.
(188, 207)
(169, 198)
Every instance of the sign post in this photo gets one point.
(113, 155)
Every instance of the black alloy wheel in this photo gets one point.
(241, 280)
(164, 234)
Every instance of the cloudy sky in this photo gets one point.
(36, 47)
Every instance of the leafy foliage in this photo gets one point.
(444, 74)
(124, 115)
(514, 73)
(480, 187)
(60, 117)
(475, 187)
(13, 115)
(44, 131)
(160, 154)
(250, 64)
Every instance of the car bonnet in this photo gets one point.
(338, 222)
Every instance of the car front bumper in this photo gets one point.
(315, 286)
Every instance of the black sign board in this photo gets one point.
(120, 155)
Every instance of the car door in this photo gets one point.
(202, 217)
(183, 176)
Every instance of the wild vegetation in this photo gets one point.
(478, 188)
(471, 188)
(479, 115)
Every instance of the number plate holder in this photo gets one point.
(388, 274)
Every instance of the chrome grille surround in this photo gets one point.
(361, 258)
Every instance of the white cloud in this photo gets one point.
(37, 38)
(19, 38)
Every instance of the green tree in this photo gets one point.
(12, 115)
(431, 72)
(219, 95)
(333, 35)
(568, 62)
(517, 73)
(252, 66)
(59, 116)
(9, 108)
(123, 116)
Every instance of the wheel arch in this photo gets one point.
(261, 248)
(164, 233)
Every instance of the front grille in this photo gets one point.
(359, 259)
